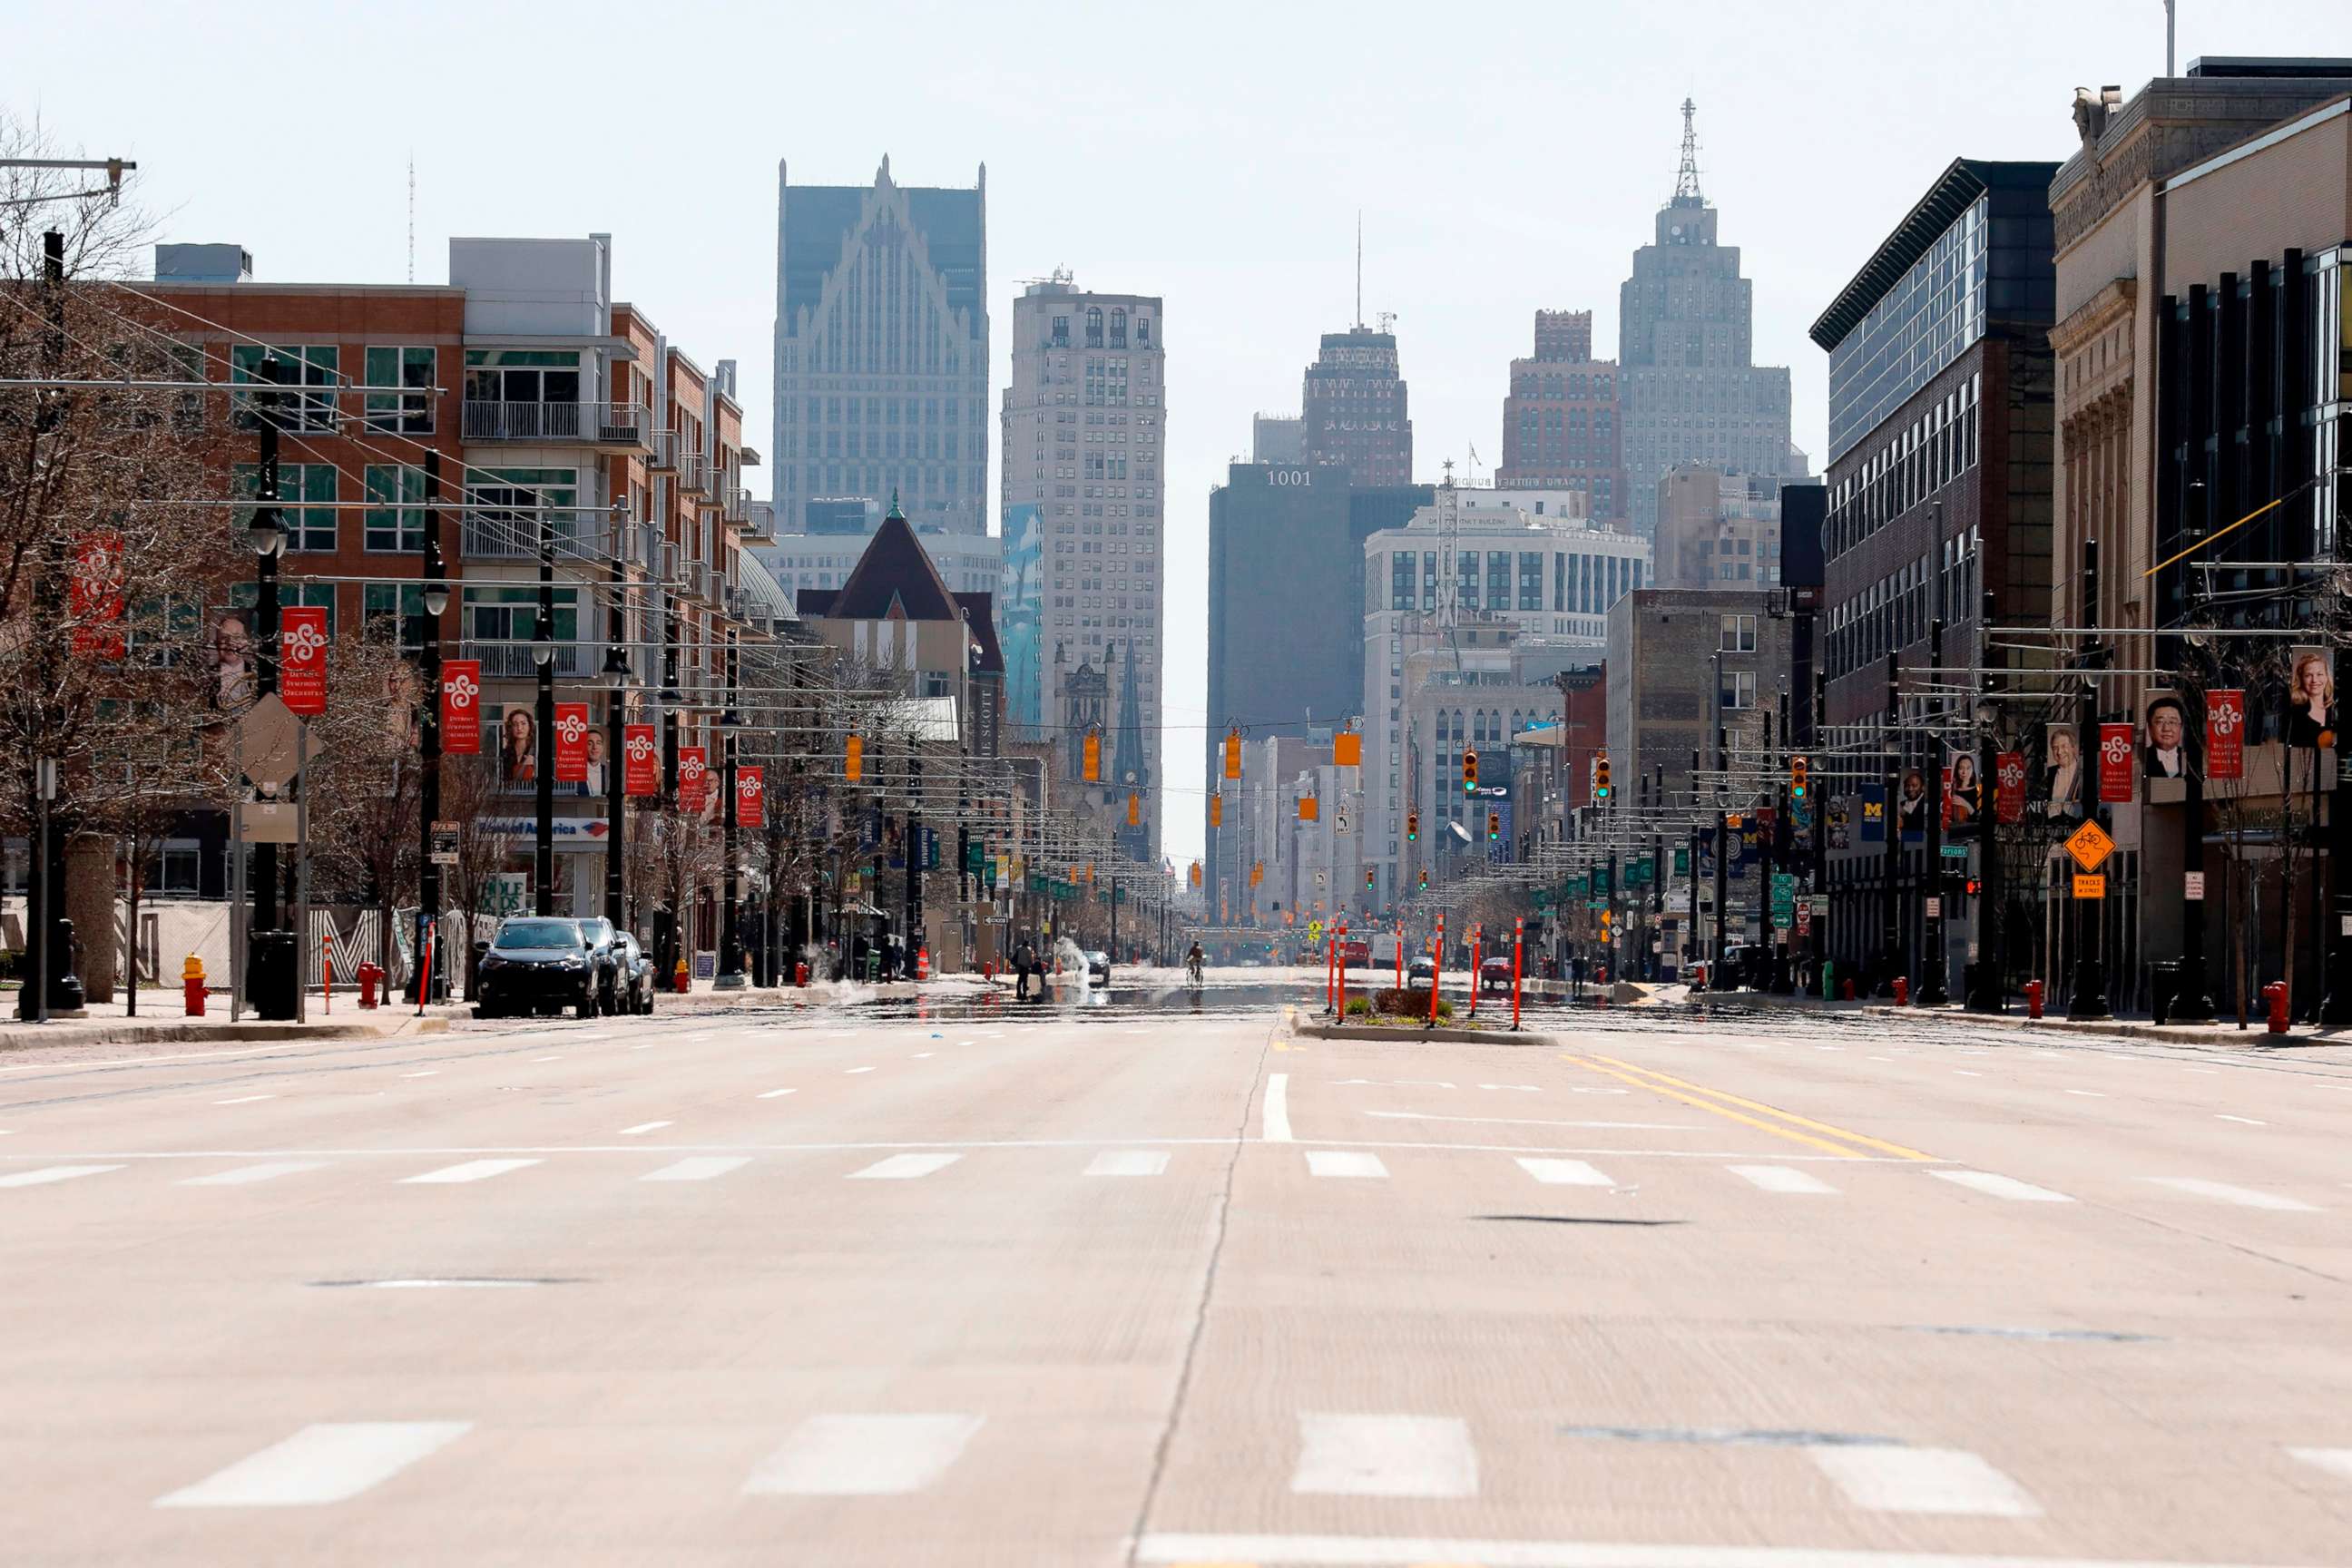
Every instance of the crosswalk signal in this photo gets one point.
(1469, 772)
(1796, 772)
(1412, 827)
(1494, 825)
(1605, 919)
(1601, 775)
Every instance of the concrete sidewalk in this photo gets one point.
(162, 1018)
(2222, 1034)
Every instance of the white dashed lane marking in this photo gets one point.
(2250, 1122)
(428, 1072)
(1783, 1179)
(644, 1127)
(1341, 1163)
(1385, 1456)
(860, 1069)
(2337, 1462)
(2244, 1197)
(698, 1168)
(1278, 1108)
(777, 1093)
(48, 1173)
(471, 1171)
(2007, 1187)
(1890, 1479)
(320, 1464)
(244, 1099)
(1564, 1172)
(863, 1456)
(244, 1175)
(904, 1167)
(1128, 1163)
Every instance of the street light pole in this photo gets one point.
(268, 538)
(1934, 976)
(542, 654)
(1990, 993)
(731, 948)
(616, 682)
(2090, 996)
(1891, 819)
(435, 594)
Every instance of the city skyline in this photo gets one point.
(1253, 315)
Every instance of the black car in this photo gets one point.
(636, 982)
(604, 950)
(535, 965)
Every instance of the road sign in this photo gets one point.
(1315, 930)
(1821, 902)
(269, 822)
(268, 739)
(2193, 887)
(2087, 886)
(1804, 919)
(1935, 908)
(1955, 851)
(2089, 846)
(445, 844)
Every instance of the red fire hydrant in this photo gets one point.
(1849, 988)
(371, 976)
(2275, 995)
(683, 983)
(2034, 998)
(192, 986)
(800, 974)
(1902, 991)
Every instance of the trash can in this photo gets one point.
(272, 975)
(2163, 987)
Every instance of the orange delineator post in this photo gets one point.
(1436, 969)
(1518, 944)
(1400, 954)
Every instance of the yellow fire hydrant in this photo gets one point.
(192, 984)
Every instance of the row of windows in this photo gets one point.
(1097, 324)
(1893, 612)
(1913, 463)
(1583, 584)
(879, 411)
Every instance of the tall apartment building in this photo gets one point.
(1278, 438)
(1084, 424)
(1353, 409)
(1691, 390)
(1562, 423)
(547, 402)
(1717, 530)
(881, 366)
(1546, 574)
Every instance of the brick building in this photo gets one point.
(1560, 425)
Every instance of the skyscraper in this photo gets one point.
(881, 369)
(1561, 419)
(1353, 408)
(1691, 390)
(1084, 521)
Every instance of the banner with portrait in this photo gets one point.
(2310, 698)
(1963, 795)
(2060, 794)
(2164, 737)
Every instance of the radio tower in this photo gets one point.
(1687, 177)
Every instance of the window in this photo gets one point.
(1095, 326)
(313, 365)
(1739, 633)
(401, 413)
(173, 871)
(1738, 690)
(305, 530)
(290, 595)
(522, 375)
(394, 611)
(387, 528)
(1530, 580)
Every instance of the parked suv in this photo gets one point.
(537, 964)
(605, 947)
(635, 986)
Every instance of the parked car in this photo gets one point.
(537, 964)
(1098, 967)
(1494, 974)
(604, 946)
(636, 984)
(1420, 971)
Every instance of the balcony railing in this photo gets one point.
(601, 423)
(512, 660)
(739, 506)
(491, 534)
(693, 472)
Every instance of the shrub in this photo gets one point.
(1395, 1003)
(1360, 1006)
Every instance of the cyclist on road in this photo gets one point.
(1193, 963)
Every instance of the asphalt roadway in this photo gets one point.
(1133, 1285)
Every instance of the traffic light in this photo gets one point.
(1092, 755)
(1975, 887)
(1134, 809)
(1233, 753)
(1424, 878)
(1196, 873)
(1368, 879)
(1601, 775)
(1412, 827)
(1217, 810)
(1797, 771)
(1494, 825)
(1469, 772)
(852, 758)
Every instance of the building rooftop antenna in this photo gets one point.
(1686, 176)
(1359, 269)
(412, 218)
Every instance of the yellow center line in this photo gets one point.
(1790, 1116)
(1839, 1150)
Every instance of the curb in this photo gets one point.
(130, 1032)
(1419, 1036)
(2228, 1036)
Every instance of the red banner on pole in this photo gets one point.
(693, 773)
(461, 707)
(2225, 735)
(640, 760)
(302, 660)
(571, 742)
(2009, 780)
(94, 597)
(2115, 760)
(750, 797)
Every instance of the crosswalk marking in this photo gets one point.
(1128, 1163)
(471, 1171)
(1342, 1162)
(777, 1093)
(2335, 1461)
(244, 1175)
(244, 1099)
(2007, 1187)
(698, 1168)
(1563, 1173)
(863, 1456)
(2244, 1197)
(1890, 1479)
(320, 1464)
(644, 1127)
(904, 1167)
(1781, 1179)
(1385, 1456)
(48, 1173)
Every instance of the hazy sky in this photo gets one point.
(1505, 157)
